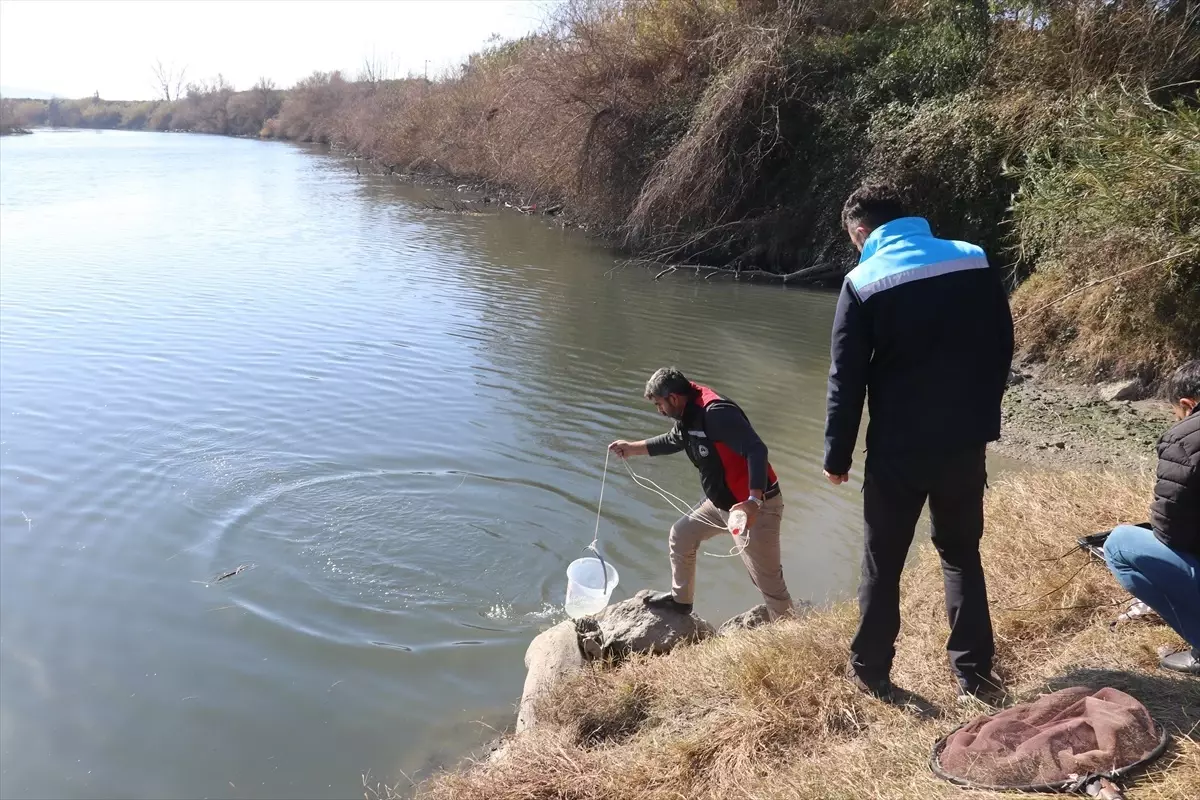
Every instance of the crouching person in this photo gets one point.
(1160, 565)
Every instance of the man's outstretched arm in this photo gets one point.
(662, 445)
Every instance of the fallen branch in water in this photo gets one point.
(814, 273)
(455, 207)
(239, 569)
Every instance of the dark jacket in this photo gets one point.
(1175, 512)
(924, 332)
(723, 446)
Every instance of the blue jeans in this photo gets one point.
(1166, 580)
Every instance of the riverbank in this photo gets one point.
(765, 713)
(1065, 140)
(1053, 423)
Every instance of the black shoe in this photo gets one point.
(880, 689)
(1185, 661)
(988, 690)
(667, 602)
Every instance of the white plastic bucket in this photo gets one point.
(586, 592)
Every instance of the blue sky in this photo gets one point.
(72, 48)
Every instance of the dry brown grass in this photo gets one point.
(766, 714)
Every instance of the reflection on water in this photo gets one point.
(217, 352)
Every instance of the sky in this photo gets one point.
(74, 48)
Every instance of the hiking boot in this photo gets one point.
(1185, 661)
(988, 690)
(666, 601)
(880, 689)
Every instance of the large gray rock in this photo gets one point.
(552, 655)
(630, 627)
(1131, 389)
(614, 633)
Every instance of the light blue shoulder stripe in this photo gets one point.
(894, 279)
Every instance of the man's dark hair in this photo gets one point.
(1185, 382)
(666, 381)
(872, 205)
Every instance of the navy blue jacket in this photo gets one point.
(924, 332)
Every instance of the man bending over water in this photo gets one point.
(735, 476)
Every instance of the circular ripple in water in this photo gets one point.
(340, 556)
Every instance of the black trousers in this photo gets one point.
(895, 490)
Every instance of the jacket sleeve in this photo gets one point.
(850, 356)
(729, 426)
(667, 443)
(1006, 344)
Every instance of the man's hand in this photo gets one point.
(750, 509)
(836, 479)
(626, 449)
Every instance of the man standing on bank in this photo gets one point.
(734, 474)
(924, 333)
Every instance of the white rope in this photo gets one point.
(681, 507)
(595, 545)
(603, 479)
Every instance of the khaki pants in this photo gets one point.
(761, 553)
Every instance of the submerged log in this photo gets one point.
(820, 272)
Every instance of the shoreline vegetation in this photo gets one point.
(1062, 136)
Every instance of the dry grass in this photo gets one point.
(766, 713)
(1122, 192)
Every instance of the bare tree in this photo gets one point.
(267, 99)
(375, 70)
(167, 81)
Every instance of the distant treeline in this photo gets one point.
(1063, 135)
(206, 107)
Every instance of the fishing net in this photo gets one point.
(1059, 741)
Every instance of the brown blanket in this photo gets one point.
(1073, 731)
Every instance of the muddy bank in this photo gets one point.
(1054, 423)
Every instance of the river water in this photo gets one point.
(219, 352)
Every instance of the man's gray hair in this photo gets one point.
(667, 381)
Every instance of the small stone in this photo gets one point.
(758, 616)
(747, 619)
(1131, 389)
(1060, 445)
